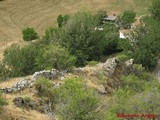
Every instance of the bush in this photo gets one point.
(21, 61)
(55, 57)
(62, 20)
(48, 35)
(27, 99)
(133, 83)
(130, 102)
(76, 102)
(29, 34)
(122, 57)
(155, 9)
(127, 18)
(44, 87)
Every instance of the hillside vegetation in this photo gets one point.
(61, 75)
(41, 14)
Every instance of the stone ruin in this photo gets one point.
(28, 83)
(108, 69)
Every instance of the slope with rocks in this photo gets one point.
(103, 77)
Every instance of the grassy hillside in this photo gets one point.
(40, 14)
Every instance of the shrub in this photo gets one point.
(55, 57)
(27, 99)
(44, 87)
(133, 83)
(127, 18)
(62, 20)
(122, 57)
(124, 101)
(155, 9)
(29, 34)
(21, 61)
(76, 102)
(48, 35)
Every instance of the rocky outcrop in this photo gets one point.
(109, 67)
(27, 83)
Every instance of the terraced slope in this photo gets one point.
(40, 14)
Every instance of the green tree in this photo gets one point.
(21, 61)
(111, 39)
(29, 34)
(55, 57)
(155, 9)
(127, 18)
(146, 46)
(62, 20)
(48, 35)
(81, 39)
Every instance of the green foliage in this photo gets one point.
(55, 57)
(100, 16)
(33, 57)
(145, 43)
(122, 57)
(44, 87)
(75, 101)
(20, 60)
(92, 63)
(125, 45)
(111, 39)
(29, 34)
(62, 20)
(128, 101)
(48, 35)
(81, 39)
(155, 9)
(27, 99)
(132, 82)
(127, 18)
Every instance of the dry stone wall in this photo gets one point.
(27, 83)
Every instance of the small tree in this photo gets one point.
(155, 9)
(29, 34)
(60, 20)
(127, 18)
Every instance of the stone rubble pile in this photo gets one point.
(28, 83)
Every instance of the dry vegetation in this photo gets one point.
(41, 14)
